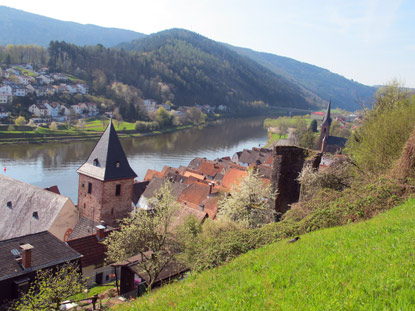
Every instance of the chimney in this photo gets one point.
(26, 255)
(210, 188)
(100, 232)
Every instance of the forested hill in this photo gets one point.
(319, 84)
(19, 27)
(200, 70)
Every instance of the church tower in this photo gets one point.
(325, 127)
(106, 181)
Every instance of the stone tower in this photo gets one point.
(325, 127)
(106, 181)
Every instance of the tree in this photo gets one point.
(378, 142)
(313, 126)
(163, 117)
(53, 126)
(148, 234)
(249, 203)
(50, 288)
(20, 121)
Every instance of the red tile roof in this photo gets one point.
(233, 177)
(152, 173)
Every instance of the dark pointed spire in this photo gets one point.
(107, 160)
(327, 118)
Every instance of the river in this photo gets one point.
(45, 165)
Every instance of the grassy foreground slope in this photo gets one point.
(364, 266)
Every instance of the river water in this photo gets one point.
(45, 165)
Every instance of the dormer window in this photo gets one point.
(9, 204)
(117, 164)
(96, 162)
(35, 215)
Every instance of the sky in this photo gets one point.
(369, 41)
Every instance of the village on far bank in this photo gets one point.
(60, 101)
(41, 228)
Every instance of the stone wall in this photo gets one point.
(102, 203)
(288, 163)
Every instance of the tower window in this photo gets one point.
(9, 204)
(117, 164)
(118, 190)
(89, 187)
(96, 162)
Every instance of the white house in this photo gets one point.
(25, 80)
(150, 105)
(40, 91)
(79, 109)
(19, 90)
(72, 89)
(45, 79)
(38, 110)
(53, 109)
(83, 88)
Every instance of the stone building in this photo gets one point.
(332, 144)
(106, 181)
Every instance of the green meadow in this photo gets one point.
(362, 266)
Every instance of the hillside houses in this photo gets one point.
(59, 112)
(39, 83)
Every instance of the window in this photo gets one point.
(96, 162)
(9, 204)
(118, 190)
(117, 164)
(89, 187)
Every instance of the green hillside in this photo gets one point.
(318, 83)
(363, 266)
(200, 70)
(20, 27)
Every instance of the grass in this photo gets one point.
(363, 266)
(96, 290)
(93, 130)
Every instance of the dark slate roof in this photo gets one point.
(255, 155)
(138, 190)
(91, 248)
(338, 141)
(107, 161)
(27, 209)
(327, 117)
(85, 227)
(48, 251)
(156, 183)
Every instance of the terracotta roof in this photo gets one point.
(209, 168)
(233, 177)
(48, 251)
(183, 212)
(152, 173)
(196, 194)
(107, 160)
(53, 189)
(196, 175)
(91, 248)
(27, 209)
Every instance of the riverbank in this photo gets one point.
(45, 135)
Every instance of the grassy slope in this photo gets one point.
(364, 266)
